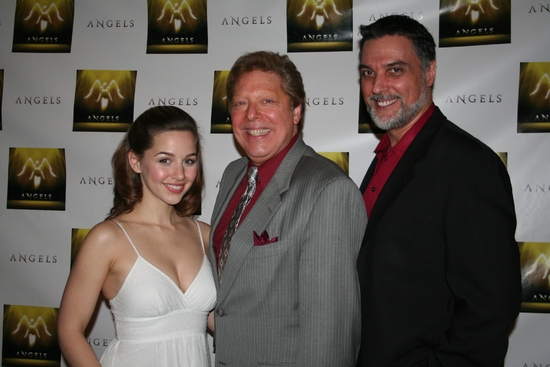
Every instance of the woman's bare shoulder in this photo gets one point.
(205, 233)
(105, 237)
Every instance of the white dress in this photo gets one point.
(157, 324)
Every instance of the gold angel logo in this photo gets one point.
(543, 83)
(316, 10)
(176, 14)
(37, 171)
(44, 15)
(31, 329)
(536, 273)
(101, 93)
(474, 8)
(220, 119)
(36, 179)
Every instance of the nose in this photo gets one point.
(251, 111)
(179, 172)
(379, 84)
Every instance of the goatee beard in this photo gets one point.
(405, 114)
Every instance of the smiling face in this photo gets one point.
(395, 88)
(169, 168)
(264, 121)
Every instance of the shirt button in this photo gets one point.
(373, 189)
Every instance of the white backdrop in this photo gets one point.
(477, 87)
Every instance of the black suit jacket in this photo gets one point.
(439, 266)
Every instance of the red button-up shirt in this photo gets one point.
(265, 172)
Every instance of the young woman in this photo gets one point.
(148, 257)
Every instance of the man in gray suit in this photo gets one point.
(287, 285)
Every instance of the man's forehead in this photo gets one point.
(390, 52)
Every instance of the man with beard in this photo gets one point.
(439, 265)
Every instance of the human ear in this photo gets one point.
(430, 74)
(297, 114)
(134, 161)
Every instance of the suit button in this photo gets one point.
(221, 312)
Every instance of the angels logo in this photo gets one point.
(535, 276)
(537, 272)
(220, 118)
(474, 8)
(319, 10)
(534, 97)
(177, 13)
(44, 15)
(31, 329)
(103, 93)
(319, 25)
(177, 26)
(43, 26)
(474, 22)
(104, 100)
(542, 86)
(37, 171)
(30, 336)
(36, 179)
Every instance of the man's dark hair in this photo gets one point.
(401, 25)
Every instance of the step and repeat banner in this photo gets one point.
(74, 74)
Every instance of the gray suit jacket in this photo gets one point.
(294, 302)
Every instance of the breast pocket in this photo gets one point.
(269, 250)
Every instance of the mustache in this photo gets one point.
(380, 97)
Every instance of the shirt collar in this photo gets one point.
(267, 169)
(384, 146)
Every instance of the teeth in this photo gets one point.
(259, 132)
(174, 187)
(387, 102)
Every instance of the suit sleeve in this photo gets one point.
(482, 264)
(329, 290)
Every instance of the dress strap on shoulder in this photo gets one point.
(200, 235)
(129, 239)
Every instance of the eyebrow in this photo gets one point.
(172, 154)
(397, 63)
(388, 65)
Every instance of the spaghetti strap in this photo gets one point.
(200, 235)
(156, 322)
(129, 239)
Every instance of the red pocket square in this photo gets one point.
(263, 239)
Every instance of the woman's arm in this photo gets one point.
(88, 274)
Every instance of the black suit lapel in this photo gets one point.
(368, 175)
(402, 174)
(404, 171)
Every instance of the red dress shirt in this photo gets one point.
(388, 157)
(265, 172)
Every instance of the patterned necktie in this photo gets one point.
(234, 222)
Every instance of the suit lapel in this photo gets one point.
(258, 217)
(368, 175)
(233, 178)
(404, 171)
